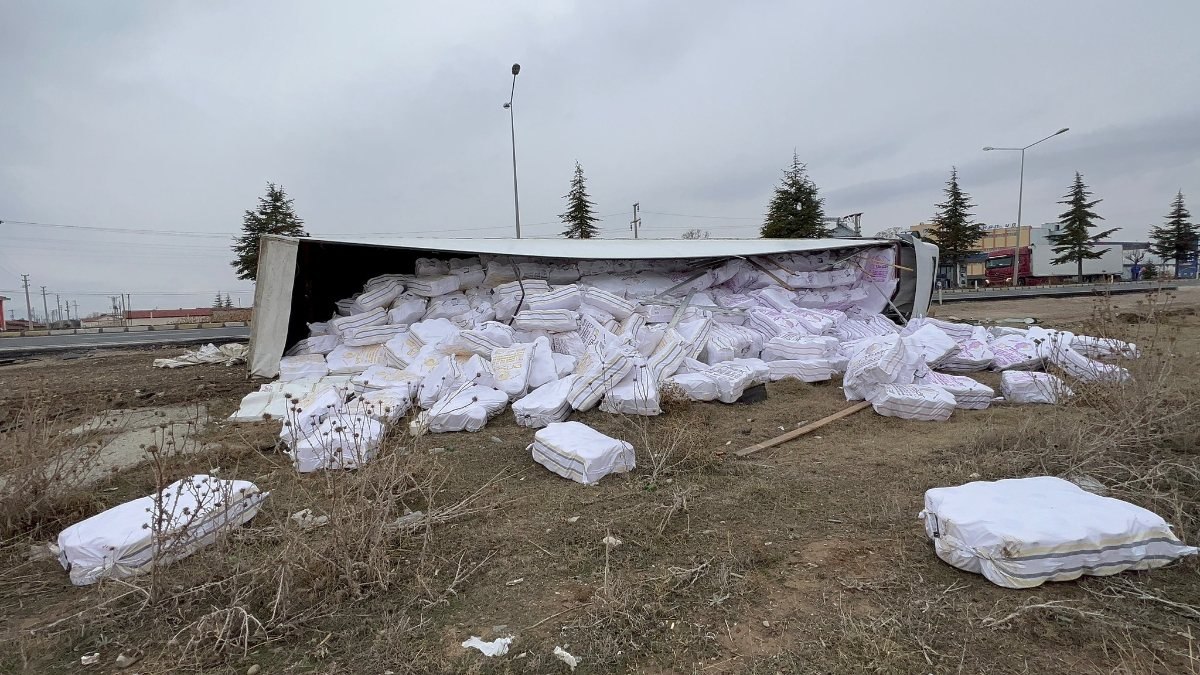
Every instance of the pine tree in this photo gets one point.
(796, 210)
(1074, 242)
(953, 229)
(1176, 240)
(579, 216)
(275, 215)
(228, 302)
(1150, 271)
(217, 301)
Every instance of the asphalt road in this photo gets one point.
(1055, 291)
(53, 343)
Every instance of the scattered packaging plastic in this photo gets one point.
(497, 647)
(1021, 533)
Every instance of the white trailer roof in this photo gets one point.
(608, 248)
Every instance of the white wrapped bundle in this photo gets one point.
(542, 368)
(731, 379)
(567, 343)
(483, 340)
(655, 312)
(381, 296)
(447, 306)
(306, 365)
(845, 276)
(306, 412)
(1094, 347)
(858, 329)
(427, 360)
(668, 356)
(968, 394)
(563, 297)
(346, 306)
(599, 372)
(340, 441)
(467, 408)
(1025, 387)
(385, 279)
(384, 377)
(131, 538)
(722, 345)
(407, 309)
(1021, 533)
(576, 451)
(346, 360)
(618, 306)
(696, 386)
(374, 317)
(371, 335)
(775, 298)
(881, 360)
(791, 346)
(550, 320)
(695, 333)
(1015, 352)
(760, 371)
(823, 321)
(974, 353)
(637, 394)
(544, 405)
(600, 316)
(316, 344)
(431, 267)
(924, 402)
(510, 368)
(771, 322)
(564, 364)
(319, 328)
(469, 275)
(434, 331)
(960, 332)
(805, 370)
(402, 349)
(433, 286)
(1055, 347)
(932, 343)
(382, 405)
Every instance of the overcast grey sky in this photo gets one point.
(387, 117)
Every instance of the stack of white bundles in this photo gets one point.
(882, 360)
(467, 408)
(925, 402)
(433, 286)
(307, 365)
(823, 321)
(656, 312)
(959, 332)
(637, 394)
(382, 295)
(382, 405)
(1026, 387)
(805, 370)
(371, 335)
(306, 412)
(340, 441)
(1094, 347)
(1023, 532)
(1015, 352)
(549, 320)
(374, 317)
(695, 334)
(695, 386)
(775, 297)
(599, 370)
(346, 360)
(968, 393)
(385, 377)
(131, 538)
(316, 344)
(576, 451)
(857, 328)
(974, 353)
(407, 309)
(434, 331)
(792, 347)
(563, 297)
(668, 355)
(544, 405)
(723, 344)
(932, 343)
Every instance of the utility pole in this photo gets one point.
(129, 307)
(637, 221)
(76, 310)
(45, 307)
(28, 305)
(58, 301)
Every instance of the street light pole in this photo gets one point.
(512, 127)
(1021, 198)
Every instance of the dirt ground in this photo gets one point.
(807, 557)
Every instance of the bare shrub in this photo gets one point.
(672, 444)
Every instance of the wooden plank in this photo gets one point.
(807, 428)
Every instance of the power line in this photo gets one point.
(691, 215)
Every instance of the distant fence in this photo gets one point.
(123, 329)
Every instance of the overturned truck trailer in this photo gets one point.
(301, 280)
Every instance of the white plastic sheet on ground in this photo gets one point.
(122, 541)
(1020, 533)
(228, 354)
(576, 451)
